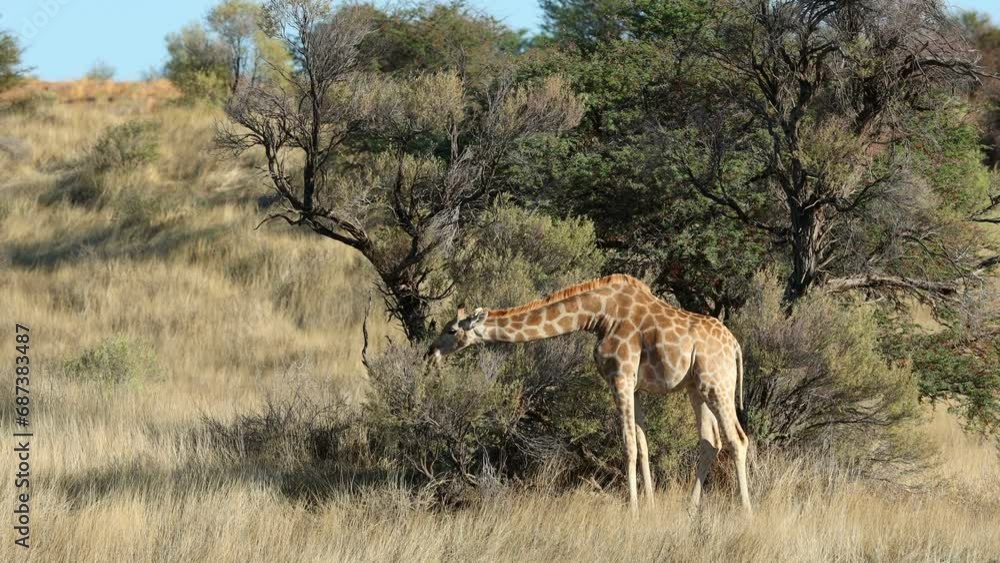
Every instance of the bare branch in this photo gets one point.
(364, 335)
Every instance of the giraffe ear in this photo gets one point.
(479, 315)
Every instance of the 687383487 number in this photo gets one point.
(22, 436)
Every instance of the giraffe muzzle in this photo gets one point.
(433, 356)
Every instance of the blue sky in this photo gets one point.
(64, 38)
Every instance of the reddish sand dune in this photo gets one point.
(151, 93)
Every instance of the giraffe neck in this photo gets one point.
(583, 311)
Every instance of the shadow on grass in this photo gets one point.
(105, 243)
(312, 485)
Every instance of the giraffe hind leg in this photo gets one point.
(723, 406)
(647, 477)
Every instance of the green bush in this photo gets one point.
(817, 378)
(450, 426)
(126, 147)
(135, 210)
(295, 431)
(511, 414)
(81, 188)
(106, 174)
(117, 360)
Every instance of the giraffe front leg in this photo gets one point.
(624, 389)
(709, 444)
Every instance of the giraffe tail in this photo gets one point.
(739, 377)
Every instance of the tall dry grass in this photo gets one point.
(234, 315)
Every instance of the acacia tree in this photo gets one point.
(236, 22)
(196, 62)
(211, 60)
(809, 138)
(388, 166)
(10, 61)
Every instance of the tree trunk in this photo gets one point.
(403, 301)
(309, 183)
(413, 313)
(805, 252)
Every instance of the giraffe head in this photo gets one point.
(460, 333)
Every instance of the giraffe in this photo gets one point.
(643, 344)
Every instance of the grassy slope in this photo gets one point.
(235, 314)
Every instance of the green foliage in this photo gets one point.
(631, 67)
(128, 146)
(235, 20)
(134, 209)
(196, 64)
(436, 36)
(209, 62)
(946, 151)
(82, 188)
(537, 412)
(117, 360)
(964, 373)
(985, 37)
(591, 25)
(817, 378)
(236, 23)
(515, 255)
(10, 61)
(958, 367)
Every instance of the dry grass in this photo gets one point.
(126, 473)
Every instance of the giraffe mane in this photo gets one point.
(568, 292)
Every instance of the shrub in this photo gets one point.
(118, 360)
(101, 71)
(450, 427)
(30, 103)
(135, 210)
(505, 414)
(816, 378)
(112, 162)
(126, 147)
(83, 188)
(299, 430)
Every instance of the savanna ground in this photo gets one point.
(161, 265)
